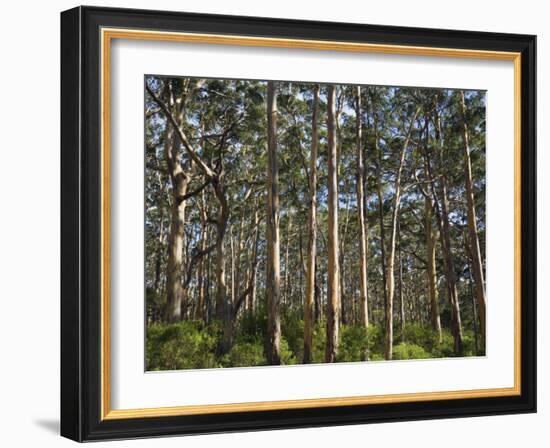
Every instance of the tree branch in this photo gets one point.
(197, 255)
(195, 192)
(204, 168)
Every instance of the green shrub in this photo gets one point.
(252, 326)
(376, 339)
(354, 343)
(445, 349)
(246, 354)
(183, 345)
(409, 351)
(469, 344)
(249, 354)
(415, 333)
(292, 329)
(194, 345)
(319, 342)
(287, 356)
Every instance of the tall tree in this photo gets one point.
(333, 291)
(431, 272)
(201, 280)
(431, 239)
(390, 279)
(309, 297)
(363, 245)
(379, 194)
(472, 224)
(445, 236)
(400, 282)
(179, 180)
(273, 283)
(161, 235)
(224, 308)
(253, 265)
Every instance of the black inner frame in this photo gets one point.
(81, 224)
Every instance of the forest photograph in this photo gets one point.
(299, 223)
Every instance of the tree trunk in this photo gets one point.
(180, 181)
(309, 298)
(251, 299)
(380, 210)
(224, 304)
(472, 225)
(158, 261)
(341, 254)
(445, 237)
(161, 238)
(233, 275)
(363, 246)
(474, 309)
(333, 296)
(201, 313)
(174, 292)
(208, 305)
(390, 289)
(431, 268)
(431, 238)
(239, 255)
(200, 309)
(451, 273)
(400, 289)
(472, 295)
(273, 242)
(287, 284)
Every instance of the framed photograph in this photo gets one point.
(271, 223)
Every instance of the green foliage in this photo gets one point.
(469, 345)
(445, 349)
(319, 342)
(428, 339)
(287, 356)
(245, 354)
(252, 326)
(409, 351)
(292, 328)
(418, 334)
(194, 345)
(184, 345)
(354, 344)
(376, 339)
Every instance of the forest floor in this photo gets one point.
(192, 344)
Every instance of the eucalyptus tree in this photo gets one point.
(175, 93)
(273, 283)
(333, 291)
(431, 237)
(363, 244)
(403, 141)
(472, 221)
(309, 297)
(442, 202)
